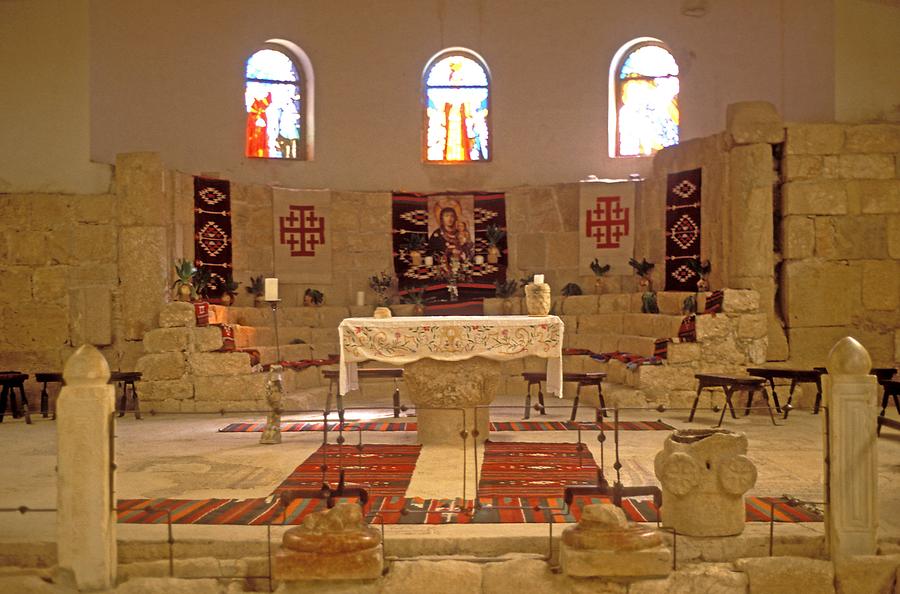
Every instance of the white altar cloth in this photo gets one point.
(403, 340)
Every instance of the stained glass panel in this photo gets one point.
(272, 101)
(648, 115)
(457, 110)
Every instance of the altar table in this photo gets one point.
(451, 364)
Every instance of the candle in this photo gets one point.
(429, 261)
(538, 279)
(360, 298)
(271, 289)
(479, 259)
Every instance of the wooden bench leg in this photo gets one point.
(774, 394)
(750, 394)
(45, 401)
(396, 400)
(541, 398)
(3, 397)
(123, 401)
(575, 403)
(769, 406)
(696, 402)
(24, 400)
(818, 396)
(603, 412)
(528, 401)
(136, 400)
(328, 397)
(729, 405)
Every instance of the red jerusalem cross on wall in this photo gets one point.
(302, 230)
(608, 222)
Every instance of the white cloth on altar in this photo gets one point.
(403, 340)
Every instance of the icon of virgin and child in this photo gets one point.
(451, 224)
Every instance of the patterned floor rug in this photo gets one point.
(289, 427)
(520, 483)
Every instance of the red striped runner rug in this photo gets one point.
(534, 469)
(289, 427)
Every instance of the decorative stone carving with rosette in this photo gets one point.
(704, 474)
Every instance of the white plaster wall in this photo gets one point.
(167, 76)
(44, 100)
(867, 64)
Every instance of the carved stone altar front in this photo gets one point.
(447, 394)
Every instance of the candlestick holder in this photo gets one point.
(274, 389)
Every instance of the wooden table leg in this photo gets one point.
(396, 400)
(819, 397)
(123, 403)
(769, 406)
(750, 394)
(729, 394)
(541, 398)
(3, 396)
(726, 406)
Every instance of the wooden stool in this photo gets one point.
(12, 380)
(582, 379)
(126, 378)
(731, 384)
(333, 375)
(797, 376)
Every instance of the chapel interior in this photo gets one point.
(450, 296)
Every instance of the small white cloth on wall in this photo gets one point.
(302, 235)
(606, 225)
(450, 338)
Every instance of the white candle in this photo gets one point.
(360, 298)
(429, 261)
(538, 279)
(479, 259)
(271, 289)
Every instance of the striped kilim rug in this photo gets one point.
(534, 469)
(256, 427)
(413, 510)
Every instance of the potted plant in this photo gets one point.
(642, 269)
(257, 288)
(505, 290)
(416, 244)
(202, 280)
(702, 269)
(230, 290)
(416, 297)
(184, 285)
(599, 271)
(494, 235)
(381, 285)
(313, 298)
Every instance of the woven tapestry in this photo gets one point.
(606, 226)
(212, 231)
(302, 224)
(682, 229)
(440, 244)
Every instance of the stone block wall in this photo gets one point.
(840, 239)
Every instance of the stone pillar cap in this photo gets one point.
(849, 357)
(87, 366)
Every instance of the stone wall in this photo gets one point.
(840, 239)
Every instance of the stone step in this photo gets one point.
(259, 336)
(609, 343)
(635, 324)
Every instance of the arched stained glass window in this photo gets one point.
(457, 100)
(644, 110)
(277, 97)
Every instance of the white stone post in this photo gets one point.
(86, 521)
(851, 396)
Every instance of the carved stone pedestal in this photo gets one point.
(605, 544)
(704, 475)
(331, 545)
(446, 394)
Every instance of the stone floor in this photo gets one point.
(184, 456)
